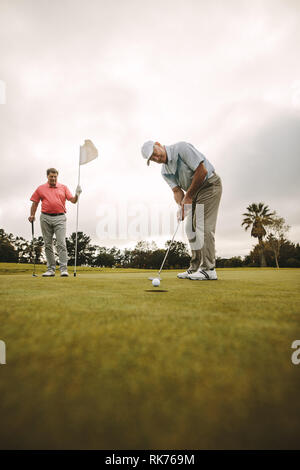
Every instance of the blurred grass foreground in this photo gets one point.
(106, 361)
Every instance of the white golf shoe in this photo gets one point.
(185, 275)
(204, 275)
(64, 273)
(49, 273)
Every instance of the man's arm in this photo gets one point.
(33, 209)
(198, 178)
(178, 194)
(77, 194)
(74, 199)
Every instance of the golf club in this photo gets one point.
(162, 265)
(32, 230)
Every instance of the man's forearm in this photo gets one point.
(198, 179)
(74, 199)
(33, 209)
(178, 195)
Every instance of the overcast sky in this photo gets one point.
(223, 75)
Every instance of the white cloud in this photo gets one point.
(222, 75)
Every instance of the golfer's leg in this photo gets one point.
(195, 235)
(47, 232)
(211, 200)
(60, 234)
(195, 262)
(192, 236)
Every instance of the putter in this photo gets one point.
(162, 264)
(32, 230)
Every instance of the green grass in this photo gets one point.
(106, 361)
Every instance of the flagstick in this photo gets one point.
(77, 219)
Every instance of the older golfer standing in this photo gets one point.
(193, 180)
(53, 219)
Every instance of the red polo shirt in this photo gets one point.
(53, 197)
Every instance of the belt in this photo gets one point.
(53, 215)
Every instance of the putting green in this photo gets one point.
(105, 360)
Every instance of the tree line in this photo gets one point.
(144, 255)
(273, 248)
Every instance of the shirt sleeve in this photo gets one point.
(190, 155)
(36, 197)
(171, 180)
(68, 193)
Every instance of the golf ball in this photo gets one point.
(156, 282)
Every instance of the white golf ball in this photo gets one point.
(156, 282)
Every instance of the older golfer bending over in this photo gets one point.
(53, 219)
(184, 168)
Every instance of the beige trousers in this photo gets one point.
(51, 226)
(209, 195)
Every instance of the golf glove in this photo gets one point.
(179, 213)
(78, 190)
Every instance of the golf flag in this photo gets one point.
(88, 152)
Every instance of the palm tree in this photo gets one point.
(257, 217)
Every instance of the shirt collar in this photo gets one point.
(171, 166)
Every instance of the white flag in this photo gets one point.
(88, 152)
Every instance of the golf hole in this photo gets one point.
(156, 290)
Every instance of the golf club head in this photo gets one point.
(155, 277)
(34, 275)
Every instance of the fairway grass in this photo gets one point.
(105, 361)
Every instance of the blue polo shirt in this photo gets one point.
(183, 159)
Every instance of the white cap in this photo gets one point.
(147, 150)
